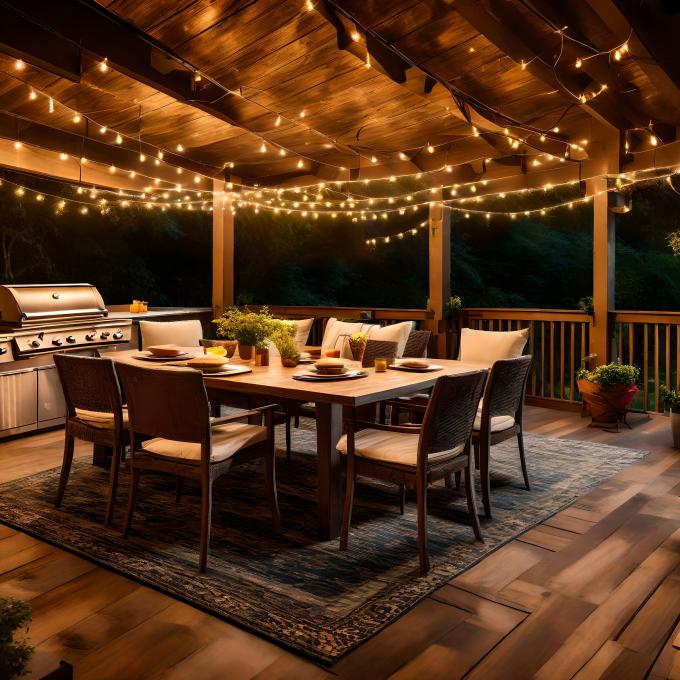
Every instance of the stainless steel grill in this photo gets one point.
(35, 322)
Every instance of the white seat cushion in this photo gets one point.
(226, 441)
(391, 447)
(498, 423)
(100, 419)
(485, 347)
(182, 333)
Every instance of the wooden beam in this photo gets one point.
(604, 277)
(439, 229)
(506, 32)
(223, 249)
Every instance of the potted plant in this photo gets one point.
(607, 392)
(14, 655)
(672, 401)
(283, 338)
(249, 329)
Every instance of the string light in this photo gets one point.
(77, 118)
(104, 65)
(33, 95)
(19, 65)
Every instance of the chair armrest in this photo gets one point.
(408, 429)
(259, 411)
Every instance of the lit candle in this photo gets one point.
(380, 365)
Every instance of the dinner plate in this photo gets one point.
(228, 370)
(319, 377)
(411, 369)
(147, 356)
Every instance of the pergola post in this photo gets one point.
(604, 276)
(223, 249)
(439, 231)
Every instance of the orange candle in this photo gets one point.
(332, 353)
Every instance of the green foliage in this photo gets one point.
(283, 338)
(673, 241)
(585, 304)
(14, 656)
(610, 375)
(671, 398)
(249, 328)
(454, 304)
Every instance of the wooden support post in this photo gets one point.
(604, 279)
(223, 250)
(439, 229)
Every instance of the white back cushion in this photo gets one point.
(396, 332)
(302, 328)
(485, 347)
(335, 329)
(183, 333)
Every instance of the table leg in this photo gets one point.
(101, 455)
(330, 493)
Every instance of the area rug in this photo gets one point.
(297, 591)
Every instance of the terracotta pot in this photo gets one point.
(246, 352)
(290, 362)
(606, 406)
(675, 428)
(262, 356)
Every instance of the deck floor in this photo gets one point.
(593, 592)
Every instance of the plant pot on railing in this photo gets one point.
(671, 400)
(607, 393)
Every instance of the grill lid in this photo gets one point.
(28, 304)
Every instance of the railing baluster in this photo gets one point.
(619, 330)
(532, 350)
(645, 370)
(561, 390)
(656, 367)
(572, 354)
(668, 356)
(631, 343)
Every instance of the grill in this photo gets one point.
(35, 322)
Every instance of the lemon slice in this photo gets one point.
(216, 351)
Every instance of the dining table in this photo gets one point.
(334, 400)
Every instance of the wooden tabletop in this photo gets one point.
(276, 381)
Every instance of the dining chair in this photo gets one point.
(187, 333)
(170, 405)
(94, 413)
(500, 417)
(414, 456)
(416, 345)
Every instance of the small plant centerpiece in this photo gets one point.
(14, 655)
(453, 306)
(607, 393)
(250, 329)
(357, 345)
(283, 338)
(672, 400)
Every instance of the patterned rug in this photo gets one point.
(293, 589)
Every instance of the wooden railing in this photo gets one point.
(650, 341)
(558, 339)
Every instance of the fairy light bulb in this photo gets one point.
(102, 130)
(197, 179)
(112, 169)
(374, 159)
(402, 156)
(542, 138)
(19, 191)
(282, 152)
(368, 60)
(578, 63)
(654, 140)
(430, 148)
(104, 65)
(119, 139)
(309, 5)
(33, 95)
(277, 122)
(160, 155)
(18, 145)
(300, 163)
(51, 105)
(63, 156)
(142, 158)
(263, 148)
(19, 65)
(617, 55)
(180, 148)
(77, 118)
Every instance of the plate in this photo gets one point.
(231, 370)
(318, 377)
(147, 356)
(410, 369)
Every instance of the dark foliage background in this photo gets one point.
(165, 258)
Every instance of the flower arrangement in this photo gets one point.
(357, 345)
(673, 241)
(14, 656)
(247, 327)
(671, 398)
(453, 305)
(610, 375)
(585, 304)
(283, 338)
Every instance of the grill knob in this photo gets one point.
(104, 335)
(90, 336)
(70, 338)
(3, 350)
(118, 335)
(35, 343)
(57, 341)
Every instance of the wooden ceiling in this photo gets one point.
(466, 77)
